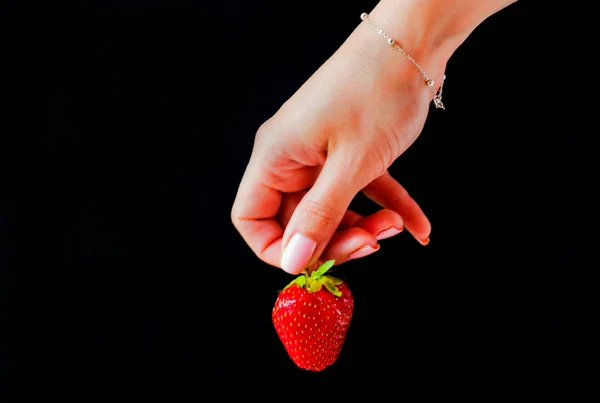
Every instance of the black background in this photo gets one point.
(134, 123)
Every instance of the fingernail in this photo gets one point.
(364, 251)
(425, 241)
(388, 233)
(297, 254)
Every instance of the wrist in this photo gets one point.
(432, 30)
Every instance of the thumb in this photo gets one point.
(318, 215)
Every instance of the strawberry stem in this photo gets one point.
(314, 281)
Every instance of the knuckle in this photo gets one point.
(234, 216)
(361, 164)
(235, 220)
(373, 164)
(266, 129)
(263, 128)
(319, 214)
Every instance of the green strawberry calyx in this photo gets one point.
(314, 281)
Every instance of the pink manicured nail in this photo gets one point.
(388, 233)
(297, 254)
(425, 241)
(364, 251)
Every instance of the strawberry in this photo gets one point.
(311, 317)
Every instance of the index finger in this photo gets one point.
(254, 215)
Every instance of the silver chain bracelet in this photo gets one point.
(437, 95)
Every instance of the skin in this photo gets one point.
(342, 130)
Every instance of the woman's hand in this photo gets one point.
(335, 137)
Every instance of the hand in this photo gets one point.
(335, 137)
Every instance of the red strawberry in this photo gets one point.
(311, 316)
